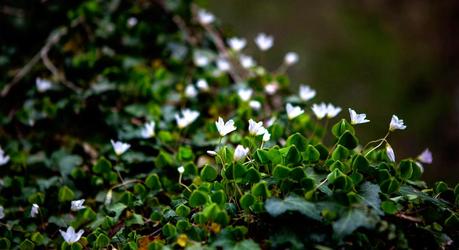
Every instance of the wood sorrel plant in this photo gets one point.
(141, 126)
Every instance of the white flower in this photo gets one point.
(2, 212)
(237, 44)
(148, 130)
(188, 116)
(211, 152)
(70, 236)
(320, 110)
(425, 157)
(223, 64)
(77, 205)
(396, 123)
(266, 136)
(43, 85)
(270, 122)
(245, 94)
(4, 159)
(131, 22)
(190, 91)
(271, 88)
(256, 128)
(256, 105)
(201, 59)
(390, 153)
(264, 42)
(205, 17)
(357, 118)
(332, 111)
(181, 170)
(293, 111)
(224, 128)
(34, 210)
(120, 147)
(240, 152)
(246, 61)
(202, 85)
(291, 58)
(306, 92)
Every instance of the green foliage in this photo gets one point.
(305, 187)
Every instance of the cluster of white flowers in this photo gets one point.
(4, 159)
(307, 93)
(148, 130)
(223, 127)
(321, 110)
(293, 111)
(256, 128)
(120, 147)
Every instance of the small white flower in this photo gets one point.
(291, 58)
(271, 88)
(120, 147)
(43, 85)
(4, 159)
(425, 157)
(224, 128)
(264, 42)
(205, 17)
(320, 110)
(245, 94)
(188, 116)
(34, 210)
(240, 153)
(270, 122)
(256, 128)
(202, 85)
(70, 236)
(2, 212)
(332, 111)
(357, 118)
(201, 59)
(237, 44)
(266, 136)
(77, 205)
(396, 123)
(246, 61)
(390, 153)
(211, 152)
(181, 170)
(293, 111)
(148, 130)
(131, 22)
(306, 92)
(223, 64)
(256, 105)
(190, 91)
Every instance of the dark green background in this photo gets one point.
(379, 57)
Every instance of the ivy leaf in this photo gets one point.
(370, 193)
(276, 207)
(351, 220)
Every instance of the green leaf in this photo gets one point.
(219, 197)
(198, 198)
(246, 245)
(341, 127)
(351, 220)
(322, 150)
(153, 182)
(185, 154)
(27, 245)
(281, 172)
(5, 243)
(65, 194)
(311, 154)
(169, 230)
(239, 170)
(276, 207)
(348, 140)
(341, 166)
(370, 193)
(102, 241)
(291, 155)
(361, 164)
(208, 173)
(262, 156)
(298, 140)
(390, 185)
(252, 175)
(340, 153)
(102, 166)
(247, 200)
(183, 210)
(406, 169)
(389, 207)
(261, 189)
(440, 187)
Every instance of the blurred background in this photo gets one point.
(378, 57)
